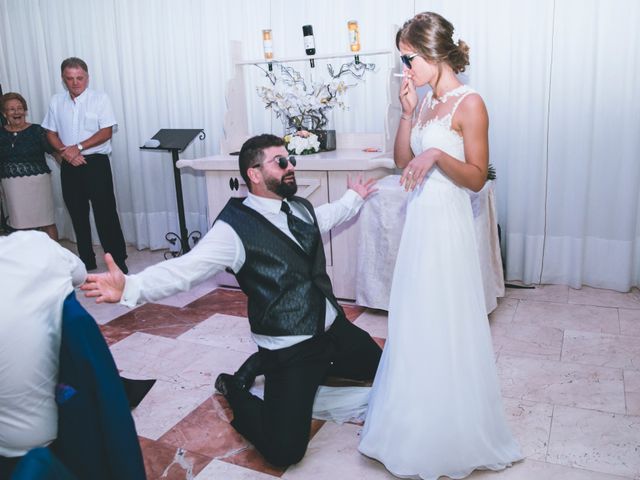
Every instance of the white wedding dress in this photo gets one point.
(435, 407)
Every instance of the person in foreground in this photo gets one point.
(30, 335)
(271, 241)
(435, 407)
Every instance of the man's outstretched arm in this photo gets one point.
(331, 214)
(217, 250)
(106, 287)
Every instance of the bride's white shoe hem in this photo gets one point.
(395, 471)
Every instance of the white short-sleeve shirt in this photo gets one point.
(75, 120)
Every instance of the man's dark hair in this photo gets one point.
(252, 152)
(73, 62)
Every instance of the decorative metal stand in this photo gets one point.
(175, 141)
(303, 104)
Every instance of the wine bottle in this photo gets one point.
(309, 42)
(354, 38)
(267, 47)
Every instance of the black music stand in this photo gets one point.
(175, 140)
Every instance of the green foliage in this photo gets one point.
(491, 172)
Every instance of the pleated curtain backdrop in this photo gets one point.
(559, 78)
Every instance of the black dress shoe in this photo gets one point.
(136, 390)
(249, 370)
(90, 265)
(224, 383)
(122, 266)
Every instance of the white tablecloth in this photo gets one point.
(381, 222)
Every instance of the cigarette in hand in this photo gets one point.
(399, 75)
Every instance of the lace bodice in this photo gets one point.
(433, 128)
(22, 153)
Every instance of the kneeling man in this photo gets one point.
(271, 241)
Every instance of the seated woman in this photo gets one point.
(25, 176)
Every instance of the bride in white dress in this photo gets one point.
(435, 407)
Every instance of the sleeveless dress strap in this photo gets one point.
(455, 106)
(425, 100)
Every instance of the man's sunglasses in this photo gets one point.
(406, 59)
(282, 162)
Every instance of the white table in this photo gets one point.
(321, 178)
(381, 222)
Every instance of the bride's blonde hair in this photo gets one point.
(431, 35)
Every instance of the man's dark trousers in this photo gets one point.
(93, 183)
(279, 426)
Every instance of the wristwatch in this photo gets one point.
(80, 147)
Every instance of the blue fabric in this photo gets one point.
(97, 439)
(40, 464)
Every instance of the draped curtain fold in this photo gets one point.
(593, 232)
(559, 78)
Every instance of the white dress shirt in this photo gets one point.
(37, 275)
(77, 119)
(221, 247)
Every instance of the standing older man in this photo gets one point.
(80, 123)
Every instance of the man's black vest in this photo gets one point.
(286, 288)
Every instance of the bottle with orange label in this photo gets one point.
(267, 47)
(354, 38)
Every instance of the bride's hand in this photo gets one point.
(415, 172)
(408, 95)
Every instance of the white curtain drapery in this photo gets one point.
(560, 81)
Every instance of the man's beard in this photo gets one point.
(282, 188)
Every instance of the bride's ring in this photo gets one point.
(410, 172)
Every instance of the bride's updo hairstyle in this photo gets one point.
(431, 36)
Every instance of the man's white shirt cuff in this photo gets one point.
(131, 293)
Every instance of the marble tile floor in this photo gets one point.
(568, 360)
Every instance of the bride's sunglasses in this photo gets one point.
(406, 59)
(282, 162)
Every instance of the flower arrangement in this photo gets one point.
(302, 142)
(299, 104)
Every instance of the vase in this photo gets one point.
(326, 138)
